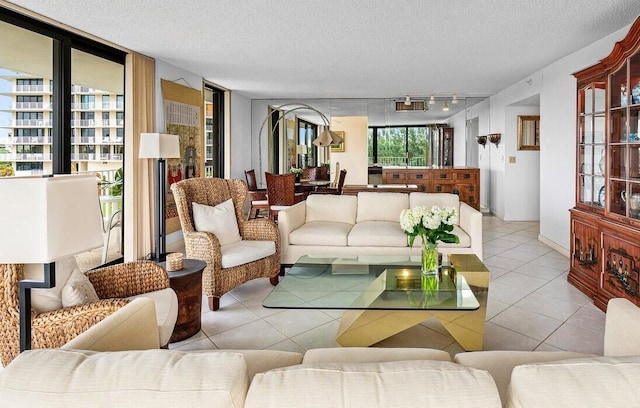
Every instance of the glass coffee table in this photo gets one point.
(383, 295)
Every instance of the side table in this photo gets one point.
(187, 283)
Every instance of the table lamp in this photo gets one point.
(160, 146)
(45, 219)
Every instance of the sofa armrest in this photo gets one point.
(132, 327)
(289, 220)
(471, 222)
(622, 332)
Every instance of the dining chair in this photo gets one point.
(258, 196)
(310, 173)
(333, 190)
(281, 193)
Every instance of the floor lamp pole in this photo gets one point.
(25, 302)
(160, 211)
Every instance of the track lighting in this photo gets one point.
(432, 100)
(454, 100)
(407, 100)
(445, 107)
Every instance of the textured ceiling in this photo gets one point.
(353, 48)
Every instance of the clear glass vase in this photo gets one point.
(429, 257)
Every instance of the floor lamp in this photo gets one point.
(160, 146)
(46, 219)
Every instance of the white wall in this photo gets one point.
(522, 181)
(354, 158)
(240, 140)
(557, 88)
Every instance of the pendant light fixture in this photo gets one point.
(445, 106)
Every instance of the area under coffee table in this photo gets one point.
(383, 295)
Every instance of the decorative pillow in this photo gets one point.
(219, 220)
(46, 300)
(78, 290)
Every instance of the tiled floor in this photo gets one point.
(531, 307)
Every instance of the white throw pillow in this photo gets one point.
(219, 220)
(46, 300)
(78, 290)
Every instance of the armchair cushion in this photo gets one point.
(78, 290)
(220, 220)
(243, 252)
(46, 300)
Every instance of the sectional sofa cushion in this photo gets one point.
(418, 383)
(381, 206)
(440, 199)
(321, 233)
(500, 363)
(162, 378)
(377, 234)
(322, 207)
(589, 382)
(372, 355)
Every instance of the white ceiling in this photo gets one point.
(353, 48)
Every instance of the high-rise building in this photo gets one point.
(97, 126)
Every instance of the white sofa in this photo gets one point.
(334, 377)
(367, 224)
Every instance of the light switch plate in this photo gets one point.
(512, 159)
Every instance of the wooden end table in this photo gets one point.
(187, 283)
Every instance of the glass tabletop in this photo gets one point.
(372, 283)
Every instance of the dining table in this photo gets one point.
(306, 186)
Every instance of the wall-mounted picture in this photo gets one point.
(340, 146)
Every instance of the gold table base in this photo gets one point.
(362, 328)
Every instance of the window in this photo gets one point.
(105, 101)
(307, 132)
(400, 145)
(87, 101)
(56, 72)
(213, 131)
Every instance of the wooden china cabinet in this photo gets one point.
(605, 222)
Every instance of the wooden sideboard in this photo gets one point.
(463, 181)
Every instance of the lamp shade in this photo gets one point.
(327, 138)
(45, 219)
(159, 146)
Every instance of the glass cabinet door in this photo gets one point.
(591, 145)
(624, 146)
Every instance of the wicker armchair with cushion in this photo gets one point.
(54, 324)
(235, 250)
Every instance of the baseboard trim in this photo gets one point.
(562, 250)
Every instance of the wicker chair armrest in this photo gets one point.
(259, 229)
(204, 246)
(128, 279)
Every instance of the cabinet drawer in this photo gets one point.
(395, 177)
(417, 178)
(466, 175)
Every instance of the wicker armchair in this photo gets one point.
(55, 328)
(217, 281)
